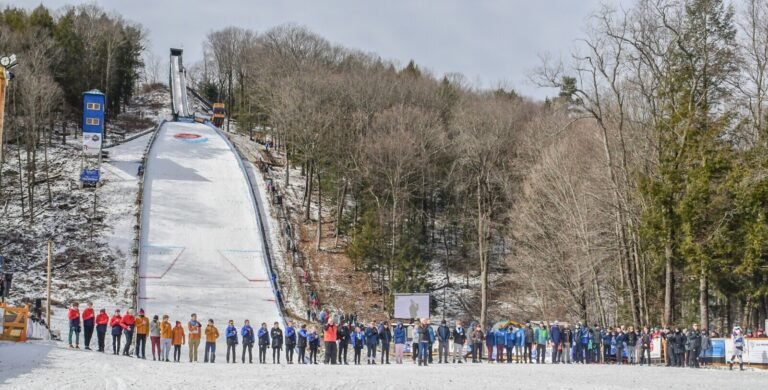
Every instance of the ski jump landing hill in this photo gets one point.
(202, 249)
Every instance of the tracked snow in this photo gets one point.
(202, 248)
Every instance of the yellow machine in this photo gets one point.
(218, 114)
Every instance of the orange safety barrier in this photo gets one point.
(14, 323)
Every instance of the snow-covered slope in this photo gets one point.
(201, 245)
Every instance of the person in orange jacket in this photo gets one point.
(73, 314)
(142, 329)
(178, 340)
(128, 324)
(211, 334)
(166, 336)
(117, 331)
(88, 318)
(102, 320)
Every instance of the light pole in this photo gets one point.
(5, 64)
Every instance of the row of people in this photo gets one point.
(510, 343)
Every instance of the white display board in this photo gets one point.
(91, 144)
(411, 305)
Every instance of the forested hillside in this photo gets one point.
(637, 194)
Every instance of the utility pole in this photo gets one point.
(48, 300)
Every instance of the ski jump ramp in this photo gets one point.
(202, 248)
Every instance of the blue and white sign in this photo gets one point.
(90, 176)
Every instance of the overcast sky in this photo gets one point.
(489, 41)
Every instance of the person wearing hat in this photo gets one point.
(738, 348)
(211, 334)
(443, 336)
(231, 334)
(177, 339)
(385, 335)
(166, 338)
(102, 320)
(195, 330)
(142, 329)
(459, 336)
(117, 331)
(154, 337)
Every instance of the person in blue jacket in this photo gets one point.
(385, 336)
(400, 340)
(608, 343)
(314, 345)
(263, 335)
(443, 335)
(246, 332)
(556, 338)
(432, 338)
(490, 342)
(500, 341)
(371, 341)
(520, 344)
(583, 336)
(302, 343)
(290, 341)
(231, 334)
(358, 340)
(509, 342)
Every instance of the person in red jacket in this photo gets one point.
(117, 331)
(74, 324)
(128, 324)
(102, 320)
(88, 318)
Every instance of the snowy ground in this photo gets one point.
(202, 249)
(47, 366)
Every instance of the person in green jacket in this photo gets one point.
(541, 335)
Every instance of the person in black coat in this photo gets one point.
(263, 342)
(669, 335)
(276, 334)
(693, 346)
(301, 344)
(342, 335)
(679, 347)
(385, 336)
(290, 342)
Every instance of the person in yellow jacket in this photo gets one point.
(177, 339)
(142, 330)
(166, 334)
(211, 334)
(195, 328)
